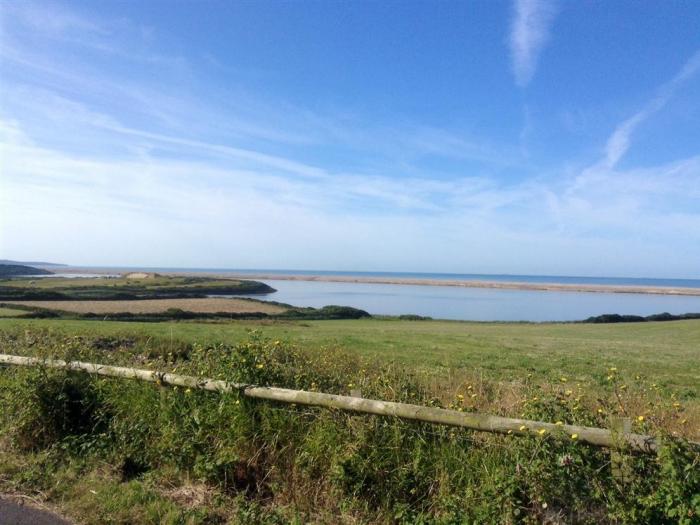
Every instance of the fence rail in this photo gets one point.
(613, 439)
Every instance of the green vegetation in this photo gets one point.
(105, 288)
(130, 452)
(617, 318)
(175, 314)
(9, 270)
(11, 312)
(668, 352)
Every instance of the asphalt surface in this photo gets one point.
(14, 513)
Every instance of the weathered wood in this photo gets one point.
(619, 427)
(481, 422)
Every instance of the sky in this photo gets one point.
(524, 137)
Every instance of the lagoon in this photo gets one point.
(475, 304)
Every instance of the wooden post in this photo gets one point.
(620, 428)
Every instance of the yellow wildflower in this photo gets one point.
(523, 428)
(640, 418)
(542, 431)
(574, 436)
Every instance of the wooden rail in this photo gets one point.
(481, 422)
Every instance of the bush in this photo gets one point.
(371, 468)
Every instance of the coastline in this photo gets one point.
(496, 285)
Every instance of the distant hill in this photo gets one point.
(11, 270)
(28, 263)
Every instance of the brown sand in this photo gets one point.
(547, 287)
(502, 285)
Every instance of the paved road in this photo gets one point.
(13, 513)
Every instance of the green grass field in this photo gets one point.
(121, 451)
(11, 312)
(668, 353)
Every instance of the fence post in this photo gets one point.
(619, 428)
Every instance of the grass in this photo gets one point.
(207, 305)
(104, 288)
(11, 312)
(666, 352)
(123, 451)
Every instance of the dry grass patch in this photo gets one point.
(149, 306)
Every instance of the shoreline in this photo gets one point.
(494, 285)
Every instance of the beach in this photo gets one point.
(391, 280)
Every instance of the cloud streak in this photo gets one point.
(530, 30)
(619, 142)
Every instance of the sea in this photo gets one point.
(461, 303)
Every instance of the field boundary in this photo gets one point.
(480, 422)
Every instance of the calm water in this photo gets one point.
(446, 302)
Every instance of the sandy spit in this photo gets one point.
(499, 285)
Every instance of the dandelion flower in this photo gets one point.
(542, 431)
(460, 396)
(522, 428)
(640, 418)
(574, 436)
(259, 366)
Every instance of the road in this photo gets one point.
(14, 513)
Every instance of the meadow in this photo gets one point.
(131, 452)
(153, 286)
(147, 306)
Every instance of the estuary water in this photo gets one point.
(476, 304)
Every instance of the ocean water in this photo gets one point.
(554, 279)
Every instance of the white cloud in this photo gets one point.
(166, 211)
(619, 142)
(529, 33)
(156, 177)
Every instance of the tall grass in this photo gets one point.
(282, 463)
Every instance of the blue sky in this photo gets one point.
(533, 136)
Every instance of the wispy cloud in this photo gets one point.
(530, 29)
(194, 175)
(619, 142)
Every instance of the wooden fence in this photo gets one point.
(618, 438)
